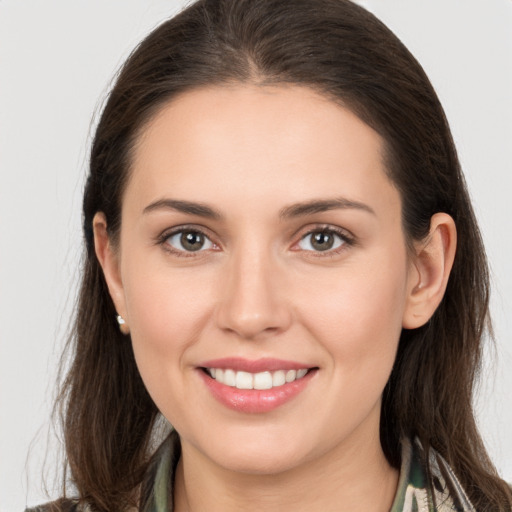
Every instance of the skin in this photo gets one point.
(259, 289)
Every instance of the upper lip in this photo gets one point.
(254, 366)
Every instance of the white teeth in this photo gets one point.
(243, 380)
(278, 378)
(291, 375)
(261, 380)
(229, 378)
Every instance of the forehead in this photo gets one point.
(255, 142)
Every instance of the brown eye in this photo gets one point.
(320, 241)
(189, 241)
(192, 241)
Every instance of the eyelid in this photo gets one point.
(348, 239)
(192, 228)
(346, 236)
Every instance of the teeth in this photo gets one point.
(278, 378)
(243, 380)
(229, 378)
(262, 380)
(291, 375)
(301, 373)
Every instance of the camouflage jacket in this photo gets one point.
(424, 485)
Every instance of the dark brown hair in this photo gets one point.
(340, 50)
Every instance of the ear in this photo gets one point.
(108, 258)
(430, 270)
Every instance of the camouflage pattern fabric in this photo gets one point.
(427, 487)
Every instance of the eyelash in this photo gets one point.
(347, 240)
(164, 237)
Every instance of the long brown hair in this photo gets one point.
(342, 51)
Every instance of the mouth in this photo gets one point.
(255, 386)
(260, 381)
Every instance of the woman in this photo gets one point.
(283, 262)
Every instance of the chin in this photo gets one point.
(263, 454)
(261, 463)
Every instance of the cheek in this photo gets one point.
(357, 314)
(167, 312)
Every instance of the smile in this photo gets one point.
(258, 386)
(260, 380)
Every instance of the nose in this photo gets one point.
(253, 303)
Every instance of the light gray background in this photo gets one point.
(56, 60)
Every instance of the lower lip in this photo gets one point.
(255, 400)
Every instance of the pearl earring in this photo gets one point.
(123, 326)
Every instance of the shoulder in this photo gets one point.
(62, 505)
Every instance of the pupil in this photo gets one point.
(192, 241)
(322, 241)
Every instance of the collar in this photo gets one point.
(427, 483)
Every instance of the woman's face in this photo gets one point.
(261, 236)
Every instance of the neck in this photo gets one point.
(353, 476)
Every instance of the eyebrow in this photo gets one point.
(322, 205)
(192, 208)
(288, 212)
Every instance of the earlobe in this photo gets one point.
(108, 258)
(430, 271)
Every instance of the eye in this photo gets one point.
(188, 241)
(322, 240)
